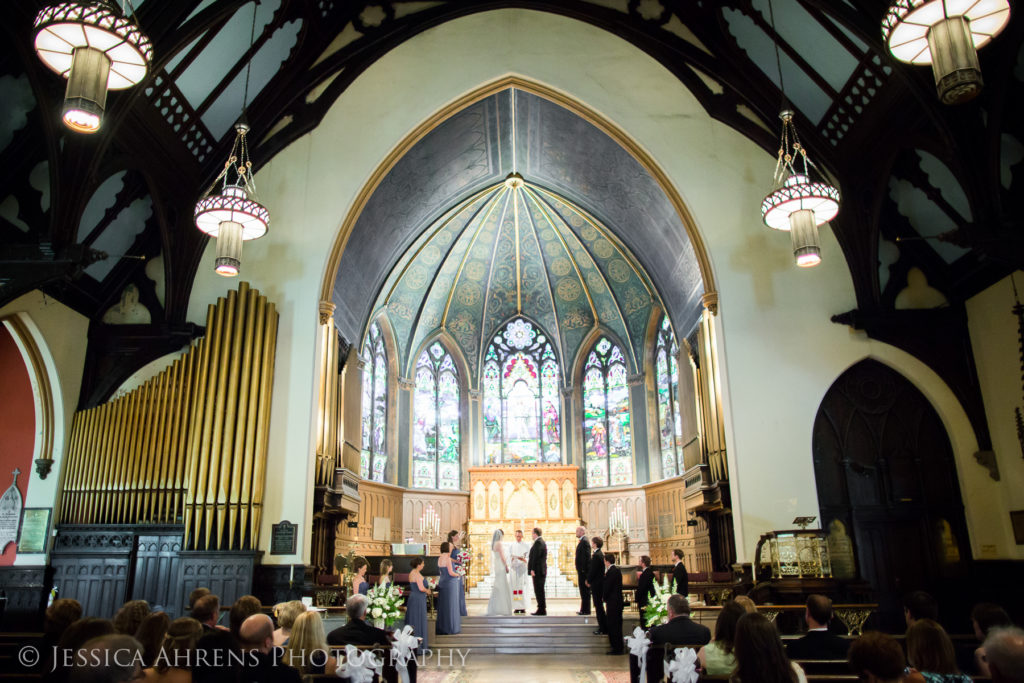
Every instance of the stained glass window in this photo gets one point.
(522, 409)
(374, 455)
(435, 452)
(669, 422)
(606, 428)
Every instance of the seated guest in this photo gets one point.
(680, 630)
(112, 658)
(307, 647)
(746, 603)
(130, 616)
(286, 613)
(716, 658)
(194, 596)
(644, 586)
(1004, 648)
(244, 607)
(877, 658)
(264, 663)
(919, 605)
(61, 614)
(177, 654)
(151, 635)
(73, 638)
(930, 654)
(760, 657)
(218, 658)
(207, 611)
(984, 617)
(357, 631)
(818, 643)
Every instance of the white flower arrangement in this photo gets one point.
(385, 603)
(656, 611)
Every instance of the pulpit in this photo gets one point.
(510, 497)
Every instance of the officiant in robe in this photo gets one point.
(519, 552)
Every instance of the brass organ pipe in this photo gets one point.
(151, 476)
(188, 427)
(242, 399)
(166, 457)
(90, 465)
(209, 395)
(227, 450)
(195, 455)
(134, 454)
(101, 450)
(217, 444)
(70, 489)
(251, 420)
(137, 483)
(117, 461)
(262, 433)
(168, 508)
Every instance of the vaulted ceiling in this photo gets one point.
(925, 186)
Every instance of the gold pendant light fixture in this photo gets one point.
(97, 48)
(798, 204)
(947, 35)
(234, 215)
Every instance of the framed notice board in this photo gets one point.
(283, 536)
(35, 530)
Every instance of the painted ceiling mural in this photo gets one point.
(443, 242)
(507, 252)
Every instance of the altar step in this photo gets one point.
(528, 635)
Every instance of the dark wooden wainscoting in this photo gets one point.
(887, 484)
(25, 590)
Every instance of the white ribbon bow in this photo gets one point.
(402, 651)
(683, 669)
(638, 645)
(360, 665)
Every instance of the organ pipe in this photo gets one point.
(188, 446)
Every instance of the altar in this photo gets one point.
(510, 497)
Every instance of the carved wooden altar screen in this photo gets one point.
(511, 497)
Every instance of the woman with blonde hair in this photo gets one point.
(385, 573)
(307, 649)
(173, 665)
(748, 605)
(931, 655)
(286, 614)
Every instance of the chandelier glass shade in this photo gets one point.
(232, 216)
(947, 35)
(97, 49)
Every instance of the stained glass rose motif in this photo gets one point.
(519, 334)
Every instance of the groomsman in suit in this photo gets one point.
(582, 566)
(679, 574)
(613, 604)
(595, 581)
(644, 586)
(538, 568)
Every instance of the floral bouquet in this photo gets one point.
(384, 604)
(656, 611)
(430, 582)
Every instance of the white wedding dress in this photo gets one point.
(500, 603)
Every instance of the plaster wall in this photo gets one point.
(779, 351)
(58, 332)
(994, 339)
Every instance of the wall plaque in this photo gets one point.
(10, 513)
(35, 530)
(282, 538)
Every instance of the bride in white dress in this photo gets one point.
(500, 603)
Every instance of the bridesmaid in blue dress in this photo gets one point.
(453, 539)
(416, 605)
(449, 621)
(359, 583)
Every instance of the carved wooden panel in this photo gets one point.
(884, 468)
(99, 583)
(155, 576)
(596, 506)
(26, 589)
(229, 575)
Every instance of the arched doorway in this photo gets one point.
(885, 472)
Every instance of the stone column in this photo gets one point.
(402, 459)
(638, 428)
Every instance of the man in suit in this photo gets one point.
(818, 643)
(264, 663)
(679, 574)
(680, 630)
(612, 594)
(595, 582)
(537, 565)
(357, 631)
(644, 585)
(582, 566)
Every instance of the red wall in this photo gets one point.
(17, 423)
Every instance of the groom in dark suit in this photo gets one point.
(582, 566)
(537, 565)
(644, 586)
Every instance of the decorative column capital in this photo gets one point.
(406, 383)
(326, 311)
(361, 364)
(475, 394)
(710, 301)
(635, 380)
(565, 391)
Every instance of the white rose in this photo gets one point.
(664, 598)
(376, 612)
